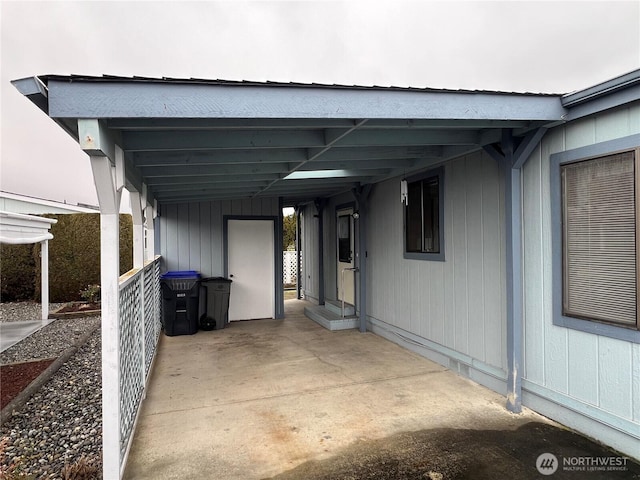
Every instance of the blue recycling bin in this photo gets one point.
(180, 302)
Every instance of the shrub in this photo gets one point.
(17, 272)
(74, 259)
(91, 293)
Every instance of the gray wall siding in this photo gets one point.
(191, 235)
(458, 303)
(309, 223)
(594, 375)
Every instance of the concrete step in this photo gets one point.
(329, 319)
(335, 306)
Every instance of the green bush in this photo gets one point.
(74, 259)
(17, 272)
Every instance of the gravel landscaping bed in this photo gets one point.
(23, 311)
(61, 425)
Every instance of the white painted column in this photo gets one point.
(44, 278)
(149, 215)
(109, 200)
(98, 142)
(138, 230)
(109, 268)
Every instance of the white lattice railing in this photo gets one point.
(140, 325)
(289, 267)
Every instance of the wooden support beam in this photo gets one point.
(527, 146)
(149, 216)
(320, 204)
(95, 139)
(512, 158)
(104, 179)
(361, 194)
(137, 213)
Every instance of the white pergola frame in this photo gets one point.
(21, 229)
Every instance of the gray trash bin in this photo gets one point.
(216, 315)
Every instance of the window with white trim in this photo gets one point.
(599, 230)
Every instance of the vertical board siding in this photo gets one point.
(195, 254)
(583, 366)
(614, 393)
(310, 251)
(532, 253)
(458, 192)
(192, 233)
(579, 134)
(182, 224)
(494, 299)
(634, 119)
(635, 382)
(206, 246)
(456, 303)
(556, 360)
(475, 259)
(600, 372)
(217, 239)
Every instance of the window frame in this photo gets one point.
(431, 256)
(557, 160)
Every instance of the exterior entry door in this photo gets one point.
(251, 268)
(346, 278)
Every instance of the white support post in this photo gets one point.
(138, 230)
(149, 215)
(110, 292)
(44, 278)
(109, 200)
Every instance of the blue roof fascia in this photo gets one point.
(613, 93)
(152, 99)
(605, 88)
(35, 90)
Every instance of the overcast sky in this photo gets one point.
(553, 47)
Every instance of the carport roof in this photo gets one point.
(195, 140)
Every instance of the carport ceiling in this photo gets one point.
(197, 140)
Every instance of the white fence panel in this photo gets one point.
(140, 326)
(289, 267)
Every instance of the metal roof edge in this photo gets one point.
(35, 90)
(271, 84)
(607, 87)
(79, 208)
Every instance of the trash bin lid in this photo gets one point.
(217, 279)
(181, 274)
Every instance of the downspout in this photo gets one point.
(513, 211)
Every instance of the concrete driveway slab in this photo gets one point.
(274, 397)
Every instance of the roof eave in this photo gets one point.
(608, 87)
(35, 90)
